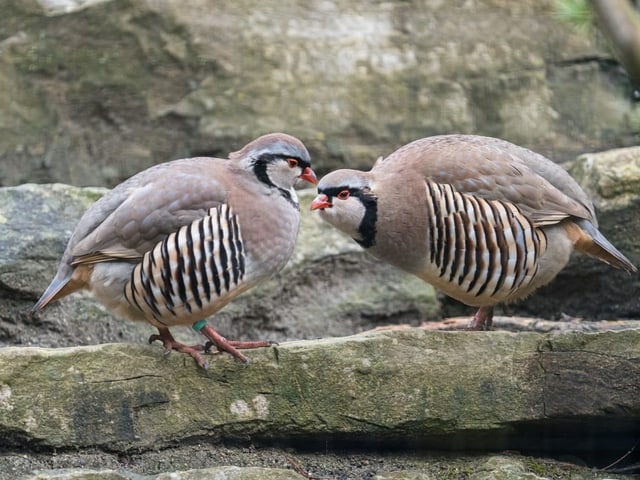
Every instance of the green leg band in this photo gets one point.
(199, 325)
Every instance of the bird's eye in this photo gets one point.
(293, 163)
(343, 195)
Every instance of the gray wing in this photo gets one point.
(496, 170)
(133, 217)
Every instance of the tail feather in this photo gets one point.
(53, 292)
(64, 283)
(596, 245)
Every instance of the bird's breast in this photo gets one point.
(270, 238)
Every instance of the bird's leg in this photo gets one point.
(171, 343)
(482, 320)
(229, 346)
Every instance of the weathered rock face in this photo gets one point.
(392, 466)
(94, 91)
(388, 386)
(571, 393)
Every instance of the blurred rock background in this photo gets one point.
(92, 91)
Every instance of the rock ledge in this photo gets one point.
(456, 390)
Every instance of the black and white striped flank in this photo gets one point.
(487, 247)
(190, 268)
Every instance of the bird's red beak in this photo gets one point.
(320, 202)
(309, 176)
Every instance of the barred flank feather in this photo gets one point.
(484, 246)
(190, 268)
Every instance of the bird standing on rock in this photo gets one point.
(481, 219)
(176, 242)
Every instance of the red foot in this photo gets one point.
(231, 346)
(170, 343)
(482, 320)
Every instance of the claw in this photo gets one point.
(482, 320)
(216, 340)
(230, 346)
(169, 344)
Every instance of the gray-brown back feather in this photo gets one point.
(143, 210)
(496, 170)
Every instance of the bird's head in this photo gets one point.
(346, 201)
(277, 160)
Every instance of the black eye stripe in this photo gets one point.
(301, 162)
(271, 157)
(334, 191)
(260, 164)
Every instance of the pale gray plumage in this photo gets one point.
(481, 219)
(176, 242)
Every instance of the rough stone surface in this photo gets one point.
(388, 386)
(219, 473)
(93, 91)
(611, 178)
(571, 393)
(328, 466)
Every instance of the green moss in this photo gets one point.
(536, 466)
(575, 12)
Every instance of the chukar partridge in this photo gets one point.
(481, 219)
(176, 242)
